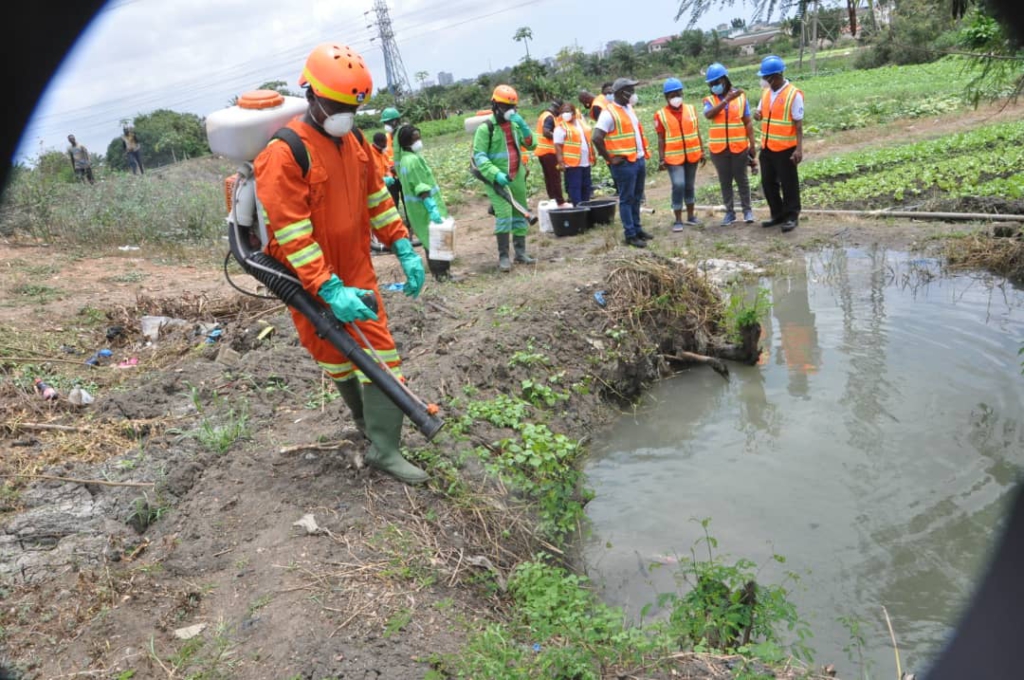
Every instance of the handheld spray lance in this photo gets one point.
(503, 192)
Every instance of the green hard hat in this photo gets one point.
(390, 113)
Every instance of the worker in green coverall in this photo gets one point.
(423, 201)
(496, 152)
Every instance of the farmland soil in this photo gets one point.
(280, 554)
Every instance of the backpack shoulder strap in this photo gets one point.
(294, 142)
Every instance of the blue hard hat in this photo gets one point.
(715, 71)
(771, 65)
(672, 85)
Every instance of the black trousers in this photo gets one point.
(552, 177)
(781, 184)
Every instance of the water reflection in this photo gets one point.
(885, 420)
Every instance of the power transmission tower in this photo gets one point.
(398, 81)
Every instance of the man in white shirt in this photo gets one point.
(619, 140)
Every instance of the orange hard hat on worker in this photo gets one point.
(505, 94)
(338, 73)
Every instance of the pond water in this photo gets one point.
(876, 447)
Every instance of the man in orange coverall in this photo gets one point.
(319, 225)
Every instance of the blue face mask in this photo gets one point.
(718, 89)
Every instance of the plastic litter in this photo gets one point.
(395, 286)
(214, 335)
(94, 360)
(80, 397)
(599, 298)
(129, 363)
(45, 391)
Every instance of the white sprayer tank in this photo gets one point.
(241, 131)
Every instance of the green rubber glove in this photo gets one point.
(501, 179)
(431, 205)
(389, 180)
(411, 265)
(517, 120)
(344, 301)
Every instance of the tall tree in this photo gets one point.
(524, 35)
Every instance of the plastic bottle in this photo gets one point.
(45, 391)
(442, 240)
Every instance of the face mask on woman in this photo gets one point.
(567, 116)
(675, 102)
(416, 146)
(718, 88)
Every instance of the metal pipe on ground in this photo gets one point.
(904, 214)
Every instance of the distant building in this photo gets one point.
(444, 78)
(659, 44)
(748, 42)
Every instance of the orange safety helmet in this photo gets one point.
(337, 73)
(505, 94)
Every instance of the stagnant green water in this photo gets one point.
(876, 447)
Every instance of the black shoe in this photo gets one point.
(416, 243)
(767, 224)
(636, 242)
(790, 225)
(644, 235)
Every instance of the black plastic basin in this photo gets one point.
(602, 210)
(569, 221)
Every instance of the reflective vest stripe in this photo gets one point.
(778, 130)
(727, 129)
(682, 143)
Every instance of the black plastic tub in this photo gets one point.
(602, 210)
(569, 221)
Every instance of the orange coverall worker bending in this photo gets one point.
(319, 225)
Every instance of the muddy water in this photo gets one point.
(875, 448)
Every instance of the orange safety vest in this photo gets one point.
(682, 144)
(599, 101)
(389, 151)
(778, 129)
(572, 148)
(622, 140)
(545, 146)
(380, 160)
(728, 130)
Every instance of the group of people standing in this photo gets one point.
(617, 136)
(320, 224)
(81, 162)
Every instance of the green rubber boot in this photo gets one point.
(519, 243)
(384, 429)
(504, 264)
(352, 393)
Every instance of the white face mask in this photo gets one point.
(764, 84)
(338, 124)
(509, 113)
(633, 99)
(567, 116)
(675, 102)
(416, 146)
(388, 129)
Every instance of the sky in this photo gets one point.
(195, 55)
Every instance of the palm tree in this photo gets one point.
(524, 35)
(421, 76)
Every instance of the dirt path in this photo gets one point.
(99, 578)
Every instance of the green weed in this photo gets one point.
(742, 313)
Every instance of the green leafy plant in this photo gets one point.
(724, 608)
(741, 313)
(539, 394)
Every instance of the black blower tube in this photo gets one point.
(279, 281)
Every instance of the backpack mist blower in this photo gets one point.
(239, 133)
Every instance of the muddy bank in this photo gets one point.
(218, 487)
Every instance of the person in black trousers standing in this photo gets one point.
(781, 113)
